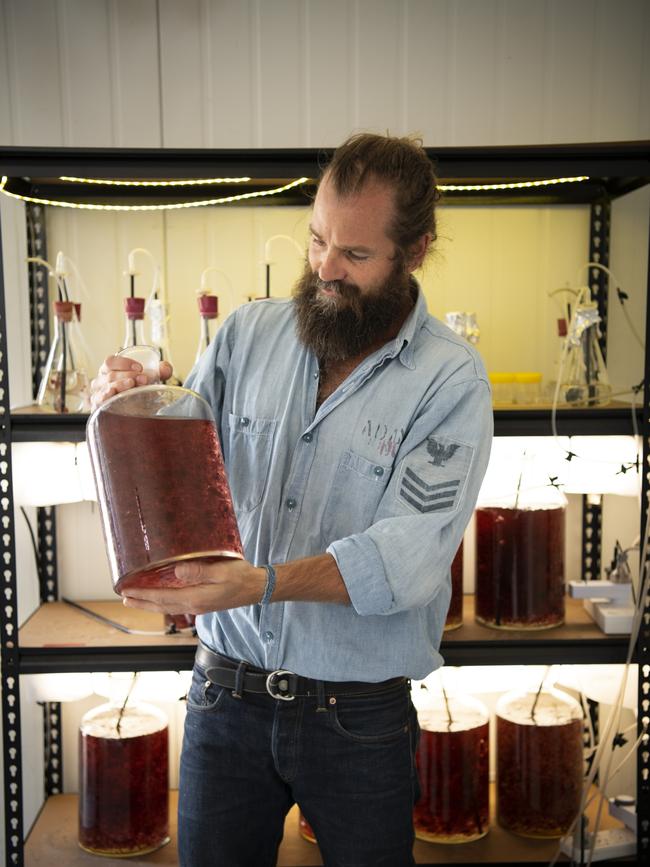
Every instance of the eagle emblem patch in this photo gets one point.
(434, 475)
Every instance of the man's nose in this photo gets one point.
(331, 267)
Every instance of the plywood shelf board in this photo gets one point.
(53, 840)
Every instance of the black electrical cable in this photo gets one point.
(37, 556)
(120, 626)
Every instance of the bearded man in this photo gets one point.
(329, 406)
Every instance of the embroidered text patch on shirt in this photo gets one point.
(434, 474)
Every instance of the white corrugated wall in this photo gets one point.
(305, 73)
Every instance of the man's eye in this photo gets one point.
(356, 257)
(318, 241)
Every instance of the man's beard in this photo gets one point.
(342, 326)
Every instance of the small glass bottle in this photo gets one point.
(161, 482)
(134, 322)
(208, 312)
(539, 762)
(464, 324)
(123, 780)
(64, 386)
(455, 613)
(452, 761)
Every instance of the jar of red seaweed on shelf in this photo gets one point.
(161, 482)
(520, 581)
(452, 763)
(455, 612)
(305, 829)
(123, 780)
(539, 762)
(179, 622)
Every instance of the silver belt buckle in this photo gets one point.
(274, 682)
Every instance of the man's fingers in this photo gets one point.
(120, 363)
(165, 370)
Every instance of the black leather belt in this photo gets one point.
(280, 684)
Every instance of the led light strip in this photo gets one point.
(515, 185)
(196, 182)
(169, 207)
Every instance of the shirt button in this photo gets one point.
(290, 504)
(379, 471)
(308, 437)
(268, 636)
(243, 421)
(316, 375)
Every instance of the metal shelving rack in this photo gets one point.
(613, 170)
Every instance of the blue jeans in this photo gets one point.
(349, 765)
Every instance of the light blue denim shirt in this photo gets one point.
(384, 476)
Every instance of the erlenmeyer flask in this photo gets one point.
(584, 380)
(208, 312)
(134, 322)
(64, 386)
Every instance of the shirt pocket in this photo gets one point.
(250, 445)
(356, 492)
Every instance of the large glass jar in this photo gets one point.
(455, 613)
(161, 484)
(453, 764)
(520, 565)
(123, 780)
(539, 762)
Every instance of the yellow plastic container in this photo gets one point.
(528, 388)
(503, 388)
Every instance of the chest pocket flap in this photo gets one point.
(250, 443)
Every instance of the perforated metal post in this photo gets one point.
(9, 620)
(592, 517)
(599, 225)
(39, 319)
(45, 516)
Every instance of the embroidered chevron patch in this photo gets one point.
(428, 498)
(433, 476)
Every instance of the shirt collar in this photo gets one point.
(402, 345)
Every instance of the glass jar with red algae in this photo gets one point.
(452, 763)
(539, 762)
(123, 780)
(455, 612)
(520, 540)
(161, 482)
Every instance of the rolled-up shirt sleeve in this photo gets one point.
(402, 561)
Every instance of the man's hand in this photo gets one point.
(209, 587)
(118, 374)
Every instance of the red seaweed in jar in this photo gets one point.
(455, 613)
(162, 486)
(520, 567)
(123, 780)
(453, 765)
(539, 762)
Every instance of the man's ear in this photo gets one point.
(418, 251)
